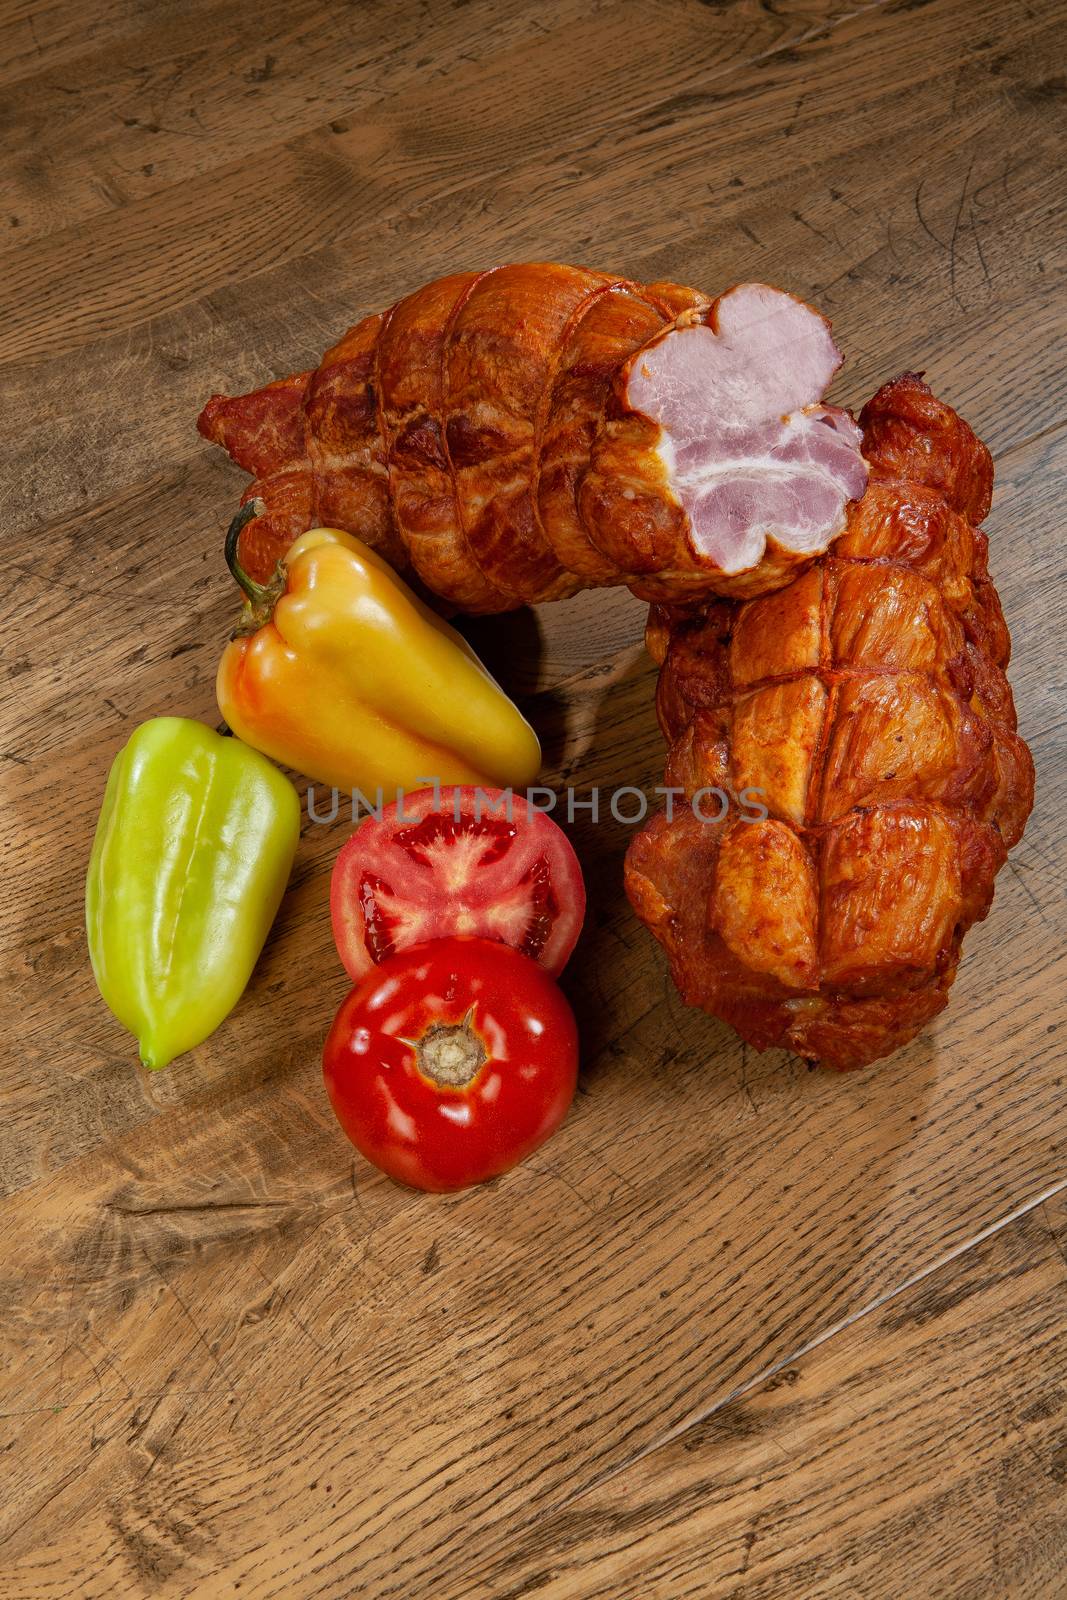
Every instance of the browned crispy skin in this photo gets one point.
(410, 383)
(868, 702)
(451, 431)
(501, 357)
(264, 434)
(603, 332)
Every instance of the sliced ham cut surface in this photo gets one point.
(746, 445)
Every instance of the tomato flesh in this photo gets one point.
(451, 1062)
(455, 866)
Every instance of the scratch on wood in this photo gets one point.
(955, 236)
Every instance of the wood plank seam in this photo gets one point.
(842, 1326)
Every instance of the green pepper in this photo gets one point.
(192, 853)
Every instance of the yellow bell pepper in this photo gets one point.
(337, 669)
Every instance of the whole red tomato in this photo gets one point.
(452, 1061)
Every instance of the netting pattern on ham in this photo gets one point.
(867, 702)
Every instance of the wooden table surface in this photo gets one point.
(741, 1329)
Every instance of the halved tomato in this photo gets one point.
(464, 861)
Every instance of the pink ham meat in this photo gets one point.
(722, 451)
(516, 435)
(749, 452)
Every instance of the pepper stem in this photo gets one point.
(260, 598)
(257, 593)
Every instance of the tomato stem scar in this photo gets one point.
(451, 1054)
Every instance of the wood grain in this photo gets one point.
(236, 1360)
(922, 1450)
